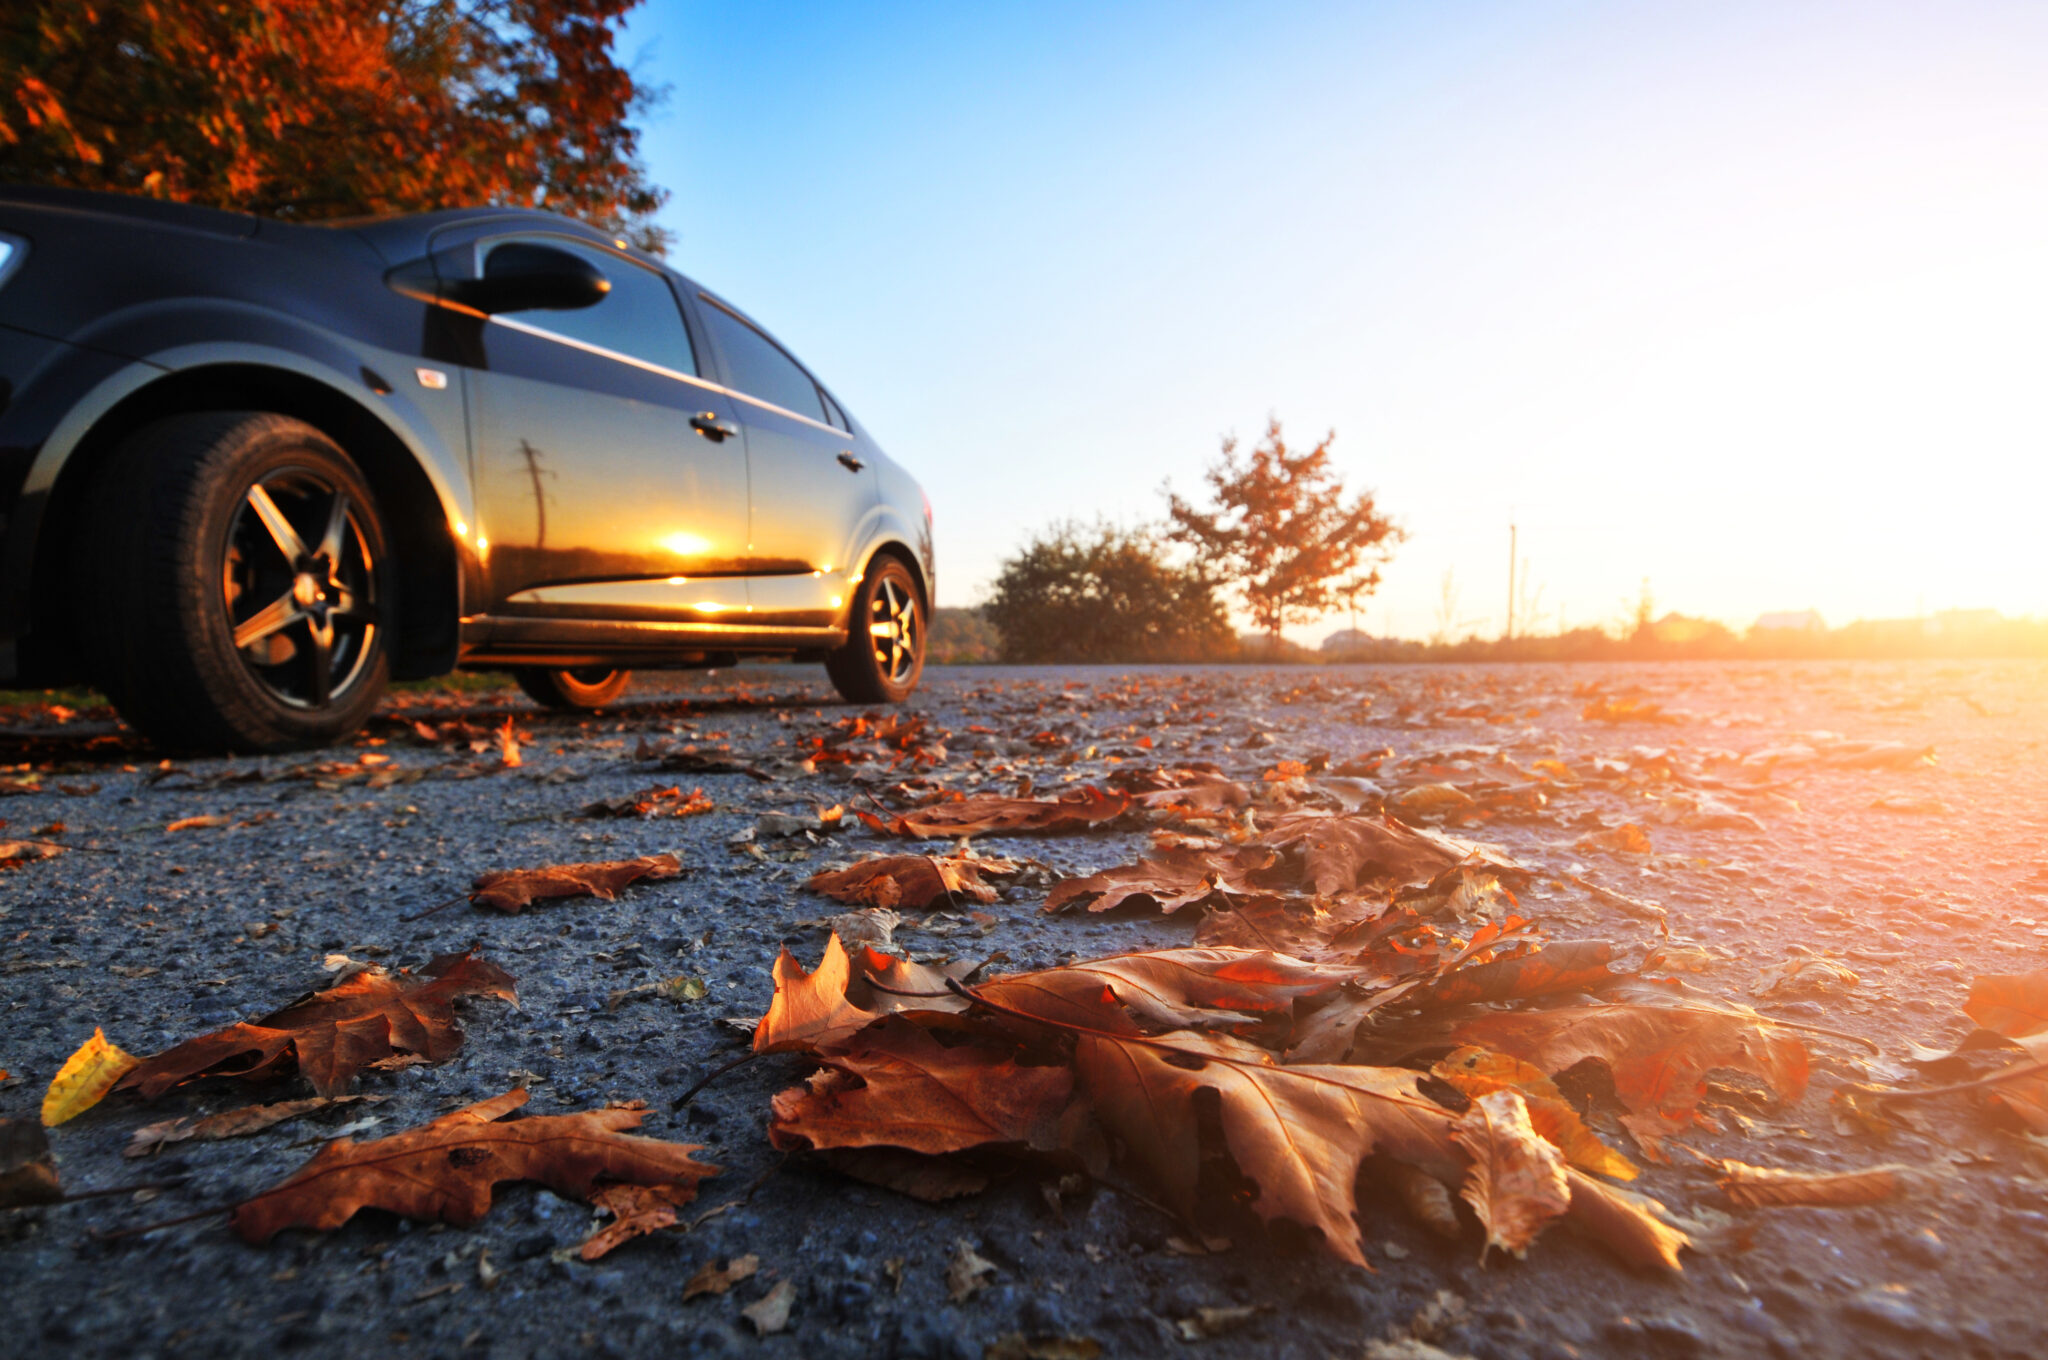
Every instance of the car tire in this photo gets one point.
(237, 584)
(583, 687)
(876, 666)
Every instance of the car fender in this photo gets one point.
(882, 526)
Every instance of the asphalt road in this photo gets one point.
(1915, 878)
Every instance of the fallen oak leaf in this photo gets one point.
(85, 1078)
(368, 1017)
(1168, 988)
(825, 1006)
(1077, 809)
(513, 890)
(912, 882)
(238, 1123)
(712, 1278)
(445, 1171)
(1659, 1055)
(896, 1086)
(1475, 1072)
(1516, 1183)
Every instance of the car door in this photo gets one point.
(809, 493)
(607, 483)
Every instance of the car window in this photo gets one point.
(835, 414)
(757, 366)
(639, 317)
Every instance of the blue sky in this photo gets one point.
(1750, 300)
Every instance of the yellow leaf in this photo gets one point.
(85, 1079)
(1477, 1072)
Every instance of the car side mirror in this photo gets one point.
(520, 276)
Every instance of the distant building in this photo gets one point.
(1791, 621)
(1347, 640)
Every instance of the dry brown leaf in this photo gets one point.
(981, 814)
(203, 823)
(769, 1314)
(1427, 1199)
(1659, 1055)
(1168, 988)
(329, 1036)
(912, 882)
(228, 1123)
(1624, 1222)
(896, 1086)
(968, 1273)
(1299, 1133)
(1516, 1184)
(1207, 1322)
(445, 1171)
(1476, 1072)
(712, 1278)
(817, 1009)
(1172, 878)
(513, 890)
(14, 854)
(636, 1210)
(28, 1174)
(2014, 1005)
(652, 802)
(1752, 1187)
(1626, 839)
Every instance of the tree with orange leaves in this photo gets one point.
(1282, 532)
(313, 109)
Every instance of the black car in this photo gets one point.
(250, 470)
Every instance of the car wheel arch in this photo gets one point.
(429, 592)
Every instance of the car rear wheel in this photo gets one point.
(580, 687)
(884, 651)
(238, 584)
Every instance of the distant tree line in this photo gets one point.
(1279, 535)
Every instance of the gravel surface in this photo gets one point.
(1917, 877)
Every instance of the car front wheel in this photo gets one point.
(885, 634)
(239, 584)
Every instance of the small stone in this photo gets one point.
(1887, 1305)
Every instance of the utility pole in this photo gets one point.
(1511, 579)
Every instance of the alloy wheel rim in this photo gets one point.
(298, 585)
(892, 626)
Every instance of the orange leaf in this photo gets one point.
(1659, 1055)
(331, 1035)
(2014, 1005)
(445, 1171)
(1517, 1181)
(1751, 1187)
(1075, 810)
(513, 890)
(913, 882)
(896, 1086)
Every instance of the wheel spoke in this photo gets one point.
(281, 532)
(337, 527)
(320, 659)
(279, 613)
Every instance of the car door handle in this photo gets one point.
(852, 463)
(708, 424)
